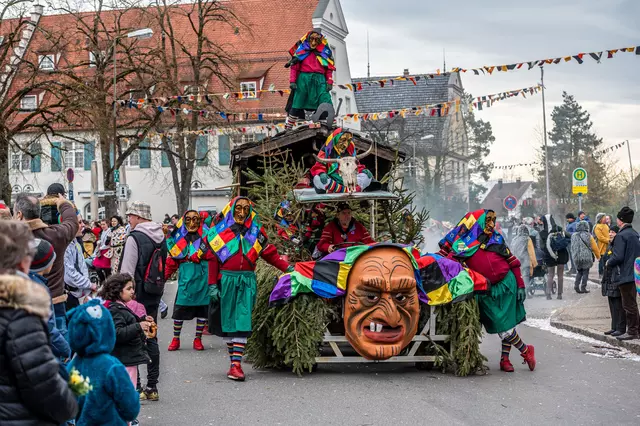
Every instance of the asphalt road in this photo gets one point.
(572, 385)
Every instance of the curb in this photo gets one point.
(631, 347)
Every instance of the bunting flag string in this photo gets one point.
(578, 57)
(513, 166)
(215, 131)
(444, 108)
(610, 149)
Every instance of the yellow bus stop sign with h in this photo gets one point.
(580, 185)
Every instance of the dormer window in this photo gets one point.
(29, 103)
(47, 62)
(249, 89)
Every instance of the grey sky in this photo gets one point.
(494, 32)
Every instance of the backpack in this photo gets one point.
(581, 251)
(558, 241)
(153, 279)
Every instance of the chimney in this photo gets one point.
(36, 13)
(519, 181)
(499, 183)
(406, 72)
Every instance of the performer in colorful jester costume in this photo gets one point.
(192, 297)
(233, 245)
(311, 76)
(476, 243)
(326, 174)
(288, 226)
(383, 286)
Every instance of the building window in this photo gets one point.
(347, 104)
(29, 103)
(47, 62)
(73, 155)
(20, 161)
(133, 159)
(238, 139)
(248, 89)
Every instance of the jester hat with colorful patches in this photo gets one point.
(226, 237)
(178, 245)
(323, 52)
(439, 280)
(468, 236)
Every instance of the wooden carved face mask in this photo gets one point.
(382, 306)
(242, 210)
(192, 221)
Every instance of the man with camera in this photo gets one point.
(59, 235)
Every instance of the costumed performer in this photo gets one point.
(288, 227)
(192, 296)
(311, 76)
(476, 243)
(233, 245)
(326, 174)
(383, 286)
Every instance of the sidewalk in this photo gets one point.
(590, 316)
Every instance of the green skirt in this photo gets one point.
(311, 91)
(499, 309)
(237, 298)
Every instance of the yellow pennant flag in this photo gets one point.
(567, 58)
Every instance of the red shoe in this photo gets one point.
(505, 364)
(174, 345)
(205, 332)
(236, 373)
(197, 344)
(530, 357)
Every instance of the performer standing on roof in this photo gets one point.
(233, 245)
(311, 75)
(475, 242)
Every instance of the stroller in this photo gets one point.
(539, 278)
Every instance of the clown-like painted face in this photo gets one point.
(343, 142)
(192, 221)
(241, 210)
(489, 222)
(314, 40)
(382, 307)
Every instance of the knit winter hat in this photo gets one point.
(570, 216)
(615, 228)
(626, 214)
(44, 255)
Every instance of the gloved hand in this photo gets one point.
(324, 178)
(290, 268)
(293, 86)
(522, 294)
(368, 173)
(329, 87)
(214, 293)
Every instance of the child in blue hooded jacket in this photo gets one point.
(92, 335)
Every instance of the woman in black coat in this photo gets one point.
(32, 389)
(555, 260)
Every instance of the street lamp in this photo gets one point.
(140, 34)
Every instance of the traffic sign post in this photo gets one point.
(580, 184)
(70, 178)
(510, 202)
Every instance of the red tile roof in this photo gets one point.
(258, 40)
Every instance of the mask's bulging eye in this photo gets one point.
(400, 297)
(372, 297)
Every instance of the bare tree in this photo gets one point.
(191, 61)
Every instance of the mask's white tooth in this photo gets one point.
(378, 328)
(372, 326)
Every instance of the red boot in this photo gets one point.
(505, 364)
(175, 344)
(530, 357)
(236, 373)
(197, 344)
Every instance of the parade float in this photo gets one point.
(324, 311)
